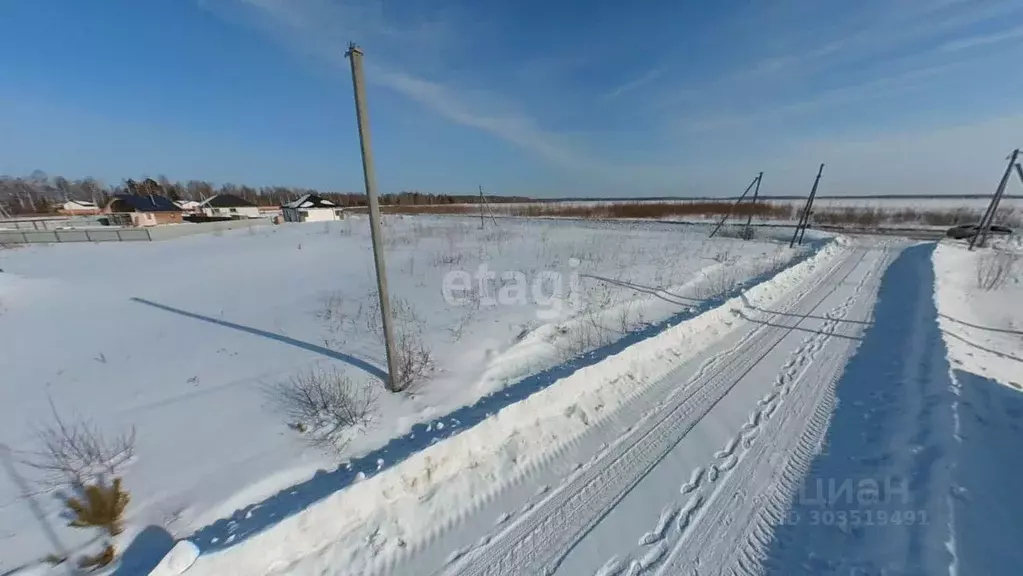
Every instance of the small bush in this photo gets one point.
(100, 506)
(994, 268)
(414, 361)
(325, 405)
(76, 453)
(739, 230)
(448, 258)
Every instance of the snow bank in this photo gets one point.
(982, 325)
(982, 328)
(395, 510)
(179, 559)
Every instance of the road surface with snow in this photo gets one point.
(713, 459)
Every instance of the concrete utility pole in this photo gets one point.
(483, 202)
(354, 54)
(809, 207)
(756, 195)
(804, 219)
(989, 214)
(731, 208)
(481, 207)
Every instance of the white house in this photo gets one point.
(311, 208)
(79, 207)
(228, 206)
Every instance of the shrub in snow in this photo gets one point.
(414, 361)
(740, 231)
(100, 506)
(994, 268)
(413, 356)
(326, 405)
(76, 453)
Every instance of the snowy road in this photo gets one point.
(695, 470)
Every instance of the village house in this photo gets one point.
(228, 206)
(79, 208)
(148, 210)
(312, 208)
(189, 206)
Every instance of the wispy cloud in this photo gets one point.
(916, 31)
(875, 88)
(630, 86)
(518, 129)
(782, 77)
(323, 28)
(983, 39)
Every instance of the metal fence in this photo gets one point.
(117, 234)
(59, 236)
(55, 222)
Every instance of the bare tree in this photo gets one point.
(75, 453)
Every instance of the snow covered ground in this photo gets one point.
(620, 398)
(980, 305)
(185, 341)
(915, 476)
(815, 424)
(852, 214)
(458, 494)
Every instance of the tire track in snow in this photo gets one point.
(727, 458)
(665, 389)
(740, 529)
(537, 543)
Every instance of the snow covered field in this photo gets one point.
(613, 399)
(187, 341)
(980, 305)
(980, 302)
(846, 213)
(811, 425)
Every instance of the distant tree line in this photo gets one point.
(40, 194)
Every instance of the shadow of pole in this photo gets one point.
(798, 328)
(658, 292)
(969, 342)
(979, 327)
(748, 304)
(347, 358)
(7, 456)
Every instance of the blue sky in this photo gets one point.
(524, 97)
